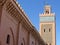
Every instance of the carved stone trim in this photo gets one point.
(2, 2)
(12, 35)
(10, 8)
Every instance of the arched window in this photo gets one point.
(44, 30)
(21, 43)
(32, 43)
(8, 39)
(47, 11)
(46, 43)
(49, 29)
(50, 44)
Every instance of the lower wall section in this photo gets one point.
(23, 36)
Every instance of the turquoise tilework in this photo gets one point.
(47, 18)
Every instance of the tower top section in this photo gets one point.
(47, 16)
(47, 9)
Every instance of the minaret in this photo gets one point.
(47, 26)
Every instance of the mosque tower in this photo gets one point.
(48, 26)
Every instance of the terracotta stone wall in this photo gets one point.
(13, 32)
(0, 13)
(8, 27)
(0, 20)
(32, 40)
(23, 35)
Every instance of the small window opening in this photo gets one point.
(8, 39)
(44, 30)
(49, 29)
(46, 44)
(50, 43)
(21, 43)
(32, 43)
(47, 12)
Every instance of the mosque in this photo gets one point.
(17, 29)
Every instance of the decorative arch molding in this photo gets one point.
(12, 35)
(23, 41)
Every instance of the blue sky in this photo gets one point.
(35, 7)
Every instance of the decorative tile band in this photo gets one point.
(47, 19)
